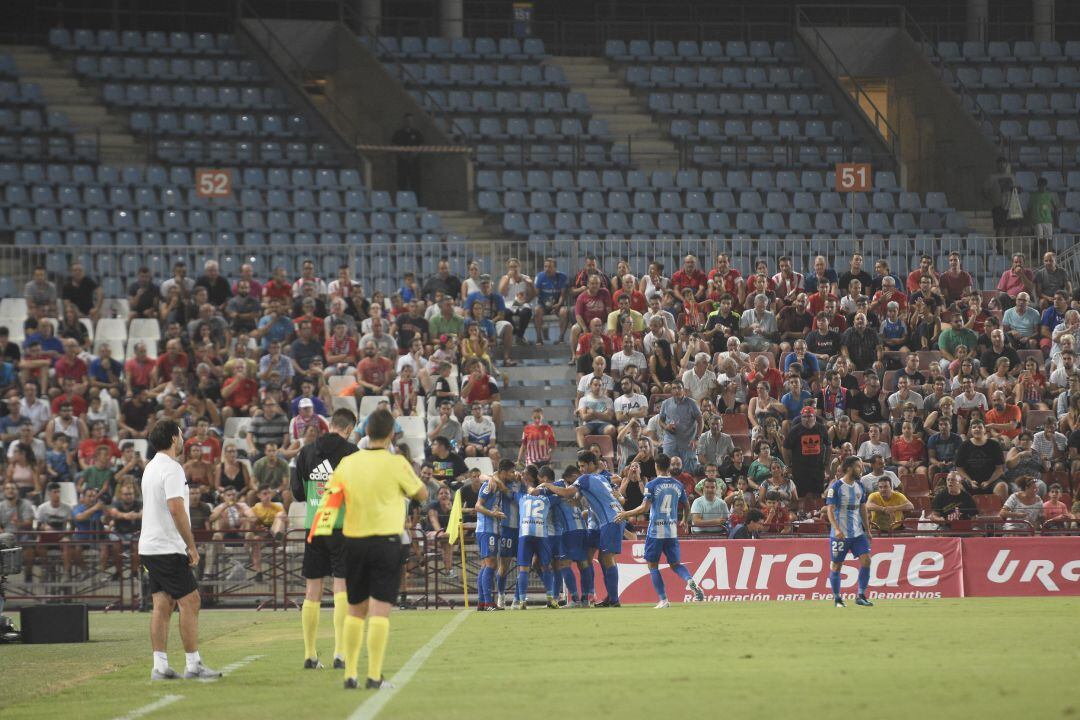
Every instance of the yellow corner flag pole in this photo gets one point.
(454, 533)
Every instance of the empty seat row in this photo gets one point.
(138, 42)
(494, 75)
(7, 66)
(785, 130)
(488, 103)
(1040, 130)
(1019, 78)
(199, 96)
(1031, 104)
(1055, 180)
(550, 129)
(741, 104)
(1003, 52)
(503, 129)
(130, 262)
(698, 200)
(757, 51)
(483, 48)
(809, 181)
(735, 78)
(36, 147)
(777, 156)
(32, 120)
(110, 67)
(22, 218)
(158, 176)
(543, 155)
(245, 152)
(1048, 156)
(20, 93)
(197, 123)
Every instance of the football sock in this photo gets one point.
(377, 636)
(501, 582)
(161, 661)
(658, 583)
(481, 577)
(341, 611)
(682, 572)
(570, 582)
(489, 584)
(549, 582)
(588, 581)
(309, 621)
(834, 581)
(611, 583)
(354, 633)
(556, 583)
(193, 660)
(522, 585)
(864, 579)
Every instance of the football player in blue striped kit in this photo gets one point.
(534, 508)
(489, 517)
(569, 538)
(598, 491)
(511, 485)
(845, 503)
(664, 498)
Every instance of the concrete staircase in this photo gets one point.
(980, 221)
(471, 225)
(542, 379)
(88, 117)
(611, 100)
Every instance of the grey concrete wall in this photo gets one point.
(367, 104)
(941, 146)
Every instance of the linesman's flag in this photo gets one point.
(454, 530)
(327, 514)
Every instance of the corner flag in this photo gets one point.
(454, 523)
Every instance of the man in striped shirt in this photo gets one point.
(537, 441)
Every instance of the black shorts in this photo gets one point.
(170, 574)
(373, 568)
(809, 481)
(324, 555)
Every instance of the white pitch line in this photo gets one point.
(147, 709)
(233, 667)
(371, 707)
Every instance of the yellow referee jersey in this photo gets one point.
(374, 482)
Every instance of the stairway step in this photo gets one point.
(547, 373)
(520, 393)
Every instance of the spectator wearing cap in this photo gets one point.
(699, 380)
(494, 310)
(305, 418)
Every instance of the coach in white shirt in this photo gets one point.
(167, 552)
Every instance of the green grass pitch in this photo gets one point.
(929, 659)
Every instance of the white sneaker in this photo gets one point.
(662, 605)
(201, 672)
(500, 601)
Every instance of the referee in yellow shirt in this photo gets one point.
(375, 484)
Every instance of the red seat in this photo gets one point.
(889, 382)
(736, 424)
(741, 441)
(811, 528)
(916, 486)
(1036, 418)
(921, 503)
(1061, 477)
(926, 357)
(988, 504)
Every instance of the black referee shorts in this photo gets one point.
(169, 573)
(373, 568)
(324, 555)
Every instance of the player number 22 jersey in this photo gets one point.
(847, 501)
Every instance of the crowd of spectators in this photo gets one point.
(756, 386)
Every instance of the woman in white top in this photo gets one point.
(653, 282)
(874, 446)
(1023, 505)
(471, 284)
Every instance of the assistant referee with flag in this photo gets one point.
(374, 484)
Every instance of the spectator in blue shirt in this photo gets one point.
(551, 287)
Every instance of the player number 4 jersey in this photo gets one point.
(847, 501)
(665, 494)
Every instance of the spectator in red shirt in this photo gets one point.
(480, 388)
(729, 277)
(97, 438)
(816, 301)
(70, 365)
(595, 302)
(69, 397)
(777, 516)
(954, 283)
(763, 371)
(138, 370)
(926, 268)
(238, 392)
(581, 280)
(537, 441)
(373, 374)
(690, 277)
(888, 293)
(174, 358)
(597, 329)
(340, 348)
(688, 481)
(277, 288)
(211, 447)
(909, 453)
(637, 298)
(247, 274)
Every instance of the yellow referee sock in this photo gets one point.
(353, 634)
(377, 637)
(309, 620)
(341, 611)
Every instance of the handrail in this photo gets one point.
(297, 72)
(802, 20)
(349, 17)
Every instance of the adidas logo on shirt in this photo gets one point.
(321, 474)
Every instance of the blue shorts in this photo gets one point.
(592, 539)
(572, 546)
(530, 545)
(554, 543)
(611, 538)
(485, 543)
(508, 542)
(839, 549)
(669, 547)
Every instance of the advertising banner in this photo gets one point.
(797, 569)
(1021, 566)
